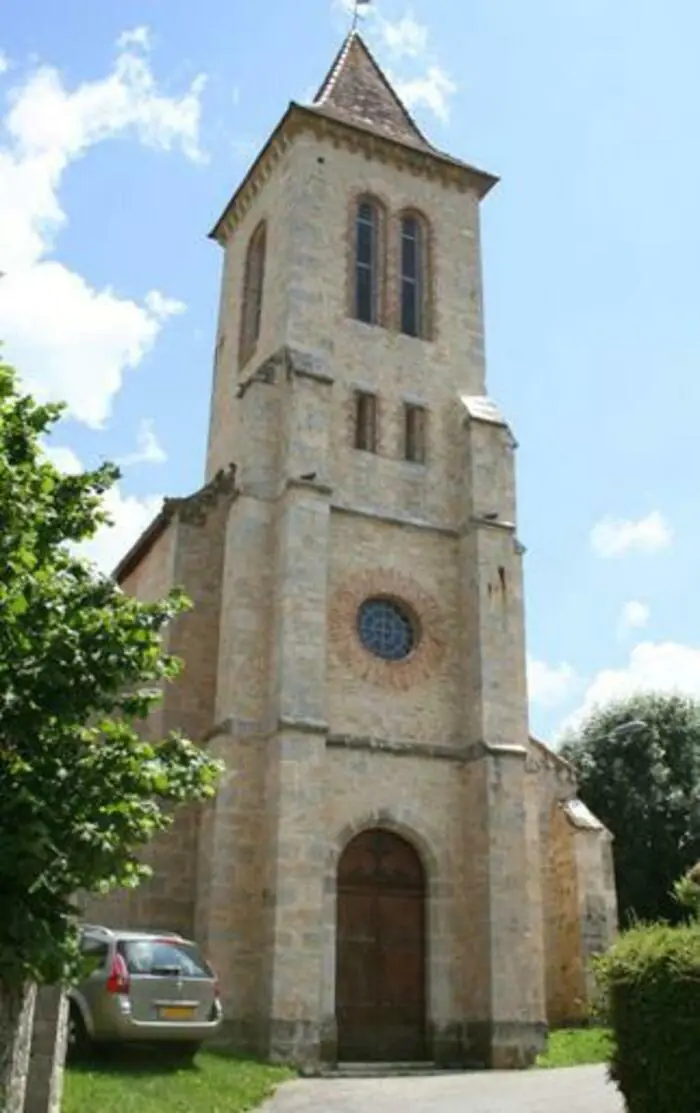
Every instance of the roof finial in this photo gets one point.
(359, 5)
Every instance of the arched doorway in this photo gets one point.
(380, 951)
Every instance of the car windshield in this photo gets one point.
(159, 957)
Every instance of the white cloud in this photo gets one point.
(138, 36)
(161, 307)
(661, 667)
(431, 90)
(69, 340)
(72, 342)
(130, 515)
(4, 62)
(47, 120)
(634, 616)
(614, 537)
(550, 685)
(65, 459)
(404, 38)
(149, 451)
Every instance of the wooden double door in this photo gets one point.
(381, 951)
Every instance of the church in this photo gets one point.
(393, 870)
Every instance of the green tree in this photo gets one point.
(81, 665)
(638, 764)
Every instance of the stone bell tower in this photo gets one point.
(368, 879)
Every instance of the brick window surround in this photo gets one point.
(379, 262)
(389, 265)
(345, 642)
(412, 275)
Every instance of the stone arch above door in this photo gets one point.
(403, 822)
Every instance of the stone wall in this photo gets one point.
(189, 554)
(421, 699)
(49, 1039)
(598, 915)
(565, 969)
(580, 904)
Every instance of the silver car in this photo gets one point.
(143, 987)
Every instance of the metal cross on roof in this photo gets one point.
(360, 5)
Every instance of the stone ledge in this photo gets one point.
(265, 373)
(243, 729)
(506, 750)
(432, 527)
(303, 726)
(305, 365)
(254, 731)
(490, 523)
(394, 519)
(395, 749)
(316, 485)
(479, 750)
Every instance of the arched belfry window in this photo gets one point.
(368, 261)
(413, 275)
(254, 278)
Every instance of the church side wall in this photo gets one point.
(598, 914)
(149, 581)
(565, 969)
(189, 554)
(550, 783)
(580, 904)
(169, 899)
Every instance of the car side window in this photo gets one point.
(94, 953)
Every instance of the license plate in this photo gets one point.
(176, 1013)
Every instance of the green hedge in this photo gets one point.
(651, 979)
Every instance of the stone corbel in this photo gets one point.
(266, 373)
(194, 508)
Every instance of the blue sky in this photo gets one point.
(124, 129)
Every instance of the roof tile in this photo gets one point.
(357, 91)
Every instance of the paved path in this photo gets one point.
(575, 1090)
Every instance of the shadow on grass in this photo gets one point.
(231, 1055)
(132, 1061)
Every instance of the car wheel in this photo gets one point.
(183, 1052)
(78, 1044)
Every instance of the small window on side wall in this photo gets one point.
(253, 282)
(413, 284)
(365, 422)
(415, 421)
(367, 261)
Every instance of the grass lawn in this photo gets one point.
(576, 1047)
(215, 1084)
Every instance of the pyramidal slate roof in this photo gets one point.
(357, 91)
